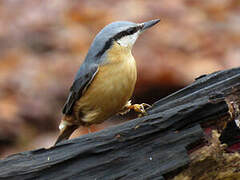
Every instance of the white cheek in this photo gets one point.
(128, 40)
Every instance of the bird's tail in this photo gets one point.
(66, 130)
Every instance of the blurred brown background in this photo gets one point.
(42, 44)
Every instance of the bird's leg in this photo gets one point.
(140, 108)
(125, 109)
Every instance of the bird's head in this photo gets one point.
(122, 32)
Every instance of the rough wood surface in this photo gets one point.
(152, 147)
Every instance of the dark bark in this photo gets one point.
(151, 147)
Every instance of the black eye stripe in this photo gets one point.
(131, 31)
(127, 32)
(118, 36)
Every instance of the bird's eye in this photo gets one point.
(130, 31)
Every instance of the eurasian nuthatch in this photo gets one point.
(105, 81)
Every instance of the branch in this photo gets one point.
(151, 147)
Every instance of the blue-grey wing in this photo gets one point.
(83, 79)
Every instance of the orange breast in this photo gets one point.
(111, 88)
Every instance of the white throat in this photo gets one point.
(128, 40)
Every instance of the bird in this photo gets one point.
(105, 80)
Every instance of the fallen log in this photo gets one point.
(155, 146)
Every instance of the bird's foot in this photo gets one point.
(139, 108)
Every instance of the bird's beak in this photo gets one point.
(149, 24)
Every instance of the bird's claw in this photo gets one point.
(139, 108)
